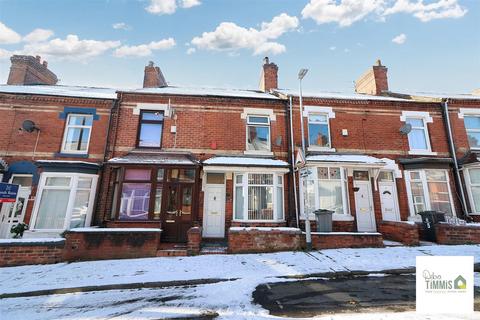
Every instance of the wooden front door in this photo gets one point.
(177, 216)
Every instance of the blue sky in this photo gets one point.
(221, 43)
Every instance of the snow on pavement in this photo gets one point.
(252, 266)
(231, 299)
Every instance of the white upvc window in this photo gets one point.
(325, 188)
(429, 189)
(418, 138)
(472, 179)
(64, 201)
(258, 133)
(76, 138)
(258, 197)
(318, 128)
(472, 126)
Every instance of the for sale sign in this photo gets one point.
(8, 192)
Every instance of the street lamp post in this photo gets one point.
(308, 232)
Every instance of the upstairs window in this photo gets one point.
(318, 130)
(150, 129)
(417, 138)
(77, 133)
(258, 133)
(472, 125)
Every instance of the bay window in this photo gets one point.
(472, 177)
(429, 190)
(65, 201)
(326, 188)
(77, 133)
(258, 197)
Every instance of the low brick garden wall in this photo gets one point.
(333, 240)
(457, 234)
(17, 252)
(263, 239)
(106, 243)
(401, 231)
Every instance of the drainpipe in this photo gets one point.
(292, 144)
(456, 170)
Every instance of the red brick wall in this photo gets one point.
(400, 231)
(17, 254)
(194, 236)
(251, 241)
(453, 234)
(99, 245)
(339, 240)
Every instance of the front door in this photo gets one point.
(177, 217)
(388, 197)
(214, 214)
(14, 213)
(363, 202)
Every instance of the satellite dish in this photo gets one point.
(405, 129)
(29, 126)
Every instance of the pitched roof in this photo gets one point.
(61, 91)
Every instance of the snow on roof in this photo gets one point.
(346, 158)
(62, 91)
(245, 161)
(456, 96)
(69, 161)
(338, 95)
(147, 158)
(205, 91)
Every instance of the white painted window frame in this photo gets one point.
(69, 126)
(469, 185)
(426, 118)
(472, 130)
(257, 124)
(346, 215)
(423, 180)
(245, 186)
(73, 186)
(319, 110)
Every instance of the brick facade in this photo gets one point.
(345, 240)
(406, 233)
(35, 252)
(453, 234)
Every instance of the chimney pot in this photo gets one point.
(269, 76)
(153, 77)
(27, 70)
(374, 81)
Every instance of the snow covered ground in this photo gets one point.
(230, 299)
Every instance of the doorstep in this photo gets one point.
(172, 250)
(217, 247)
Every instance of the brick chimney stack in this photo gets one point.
(374, 81)
(28, 70)
(153, 77)
(269, 77)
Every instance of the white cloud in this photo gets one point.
(121, 25)
(333, 48)
(191, 50)
(230, 37)
(8, 36)
(400, 39)
(144, 49)
(190, 3)
(347, 12)
(70, 48)
(170, 6)
(5, 54)
(440, 9)
(38, 35)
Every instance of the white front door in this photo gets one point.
(364, 204)
(13, 213)
(214, 211)
(388, 200)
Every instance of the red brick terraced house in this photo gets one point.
(52, 143)
(185, 157)
(373, 158)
